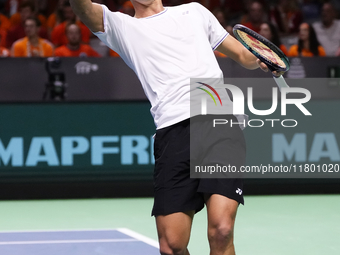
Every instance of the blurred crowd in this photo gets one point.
(42, 28)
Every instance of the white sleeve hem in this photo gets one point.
(221, 40)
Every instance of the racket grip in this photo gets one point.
(280, 82)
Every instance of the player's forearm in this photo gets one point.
(236, 51)
(81, 7)
(248, 60)
(89, 13)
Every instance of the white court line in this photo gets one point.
(57, 230)
(126, 231)
(139, 237)
(69, 241)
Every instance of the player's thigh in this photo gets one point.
(174, 229)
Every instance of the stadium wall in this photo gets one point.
(98, 142)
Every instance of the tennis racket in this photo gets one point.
(264, 50)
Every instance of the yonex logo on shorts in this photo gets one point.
(239, 191)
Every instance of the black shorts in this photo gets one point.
(174, 190)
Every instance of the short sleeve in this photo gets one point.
(113, 29)
(216, 33)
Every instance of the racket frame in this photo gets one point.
(272, 66)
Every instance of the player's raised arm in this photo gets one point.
(236, 51)
(89, 13)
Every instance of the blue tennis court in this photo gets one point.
(85, 242)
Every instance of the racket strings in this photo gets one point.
(261, 49)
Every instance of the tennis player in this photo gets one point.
(165, 47)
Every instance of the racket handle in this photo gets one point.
(280, 82)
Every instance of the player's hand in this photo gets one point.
(265, 68)
(262, 65)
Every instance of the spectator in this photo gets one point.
(17, 19)
(112, 5)
(286, 16)
(56, 18)
(128, 9)
(43, 6)
(256, 16)
(336, 4)
(75, 48)
(337, 53)
(12, 6)
(16, 32)
(328, 30)
(3, 35)
(32, 45)
(233, 9)
(310, 10)
(3, 51)
(5, 24)
(50, 8)
(220, 16)
(2, 6)
(58, 36)
(114, 54)
(269, 31)
(308, 44)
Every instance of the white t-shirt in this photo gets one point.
(329, 38)
(166, 50)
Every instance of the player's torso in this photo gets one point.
(169, 48)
